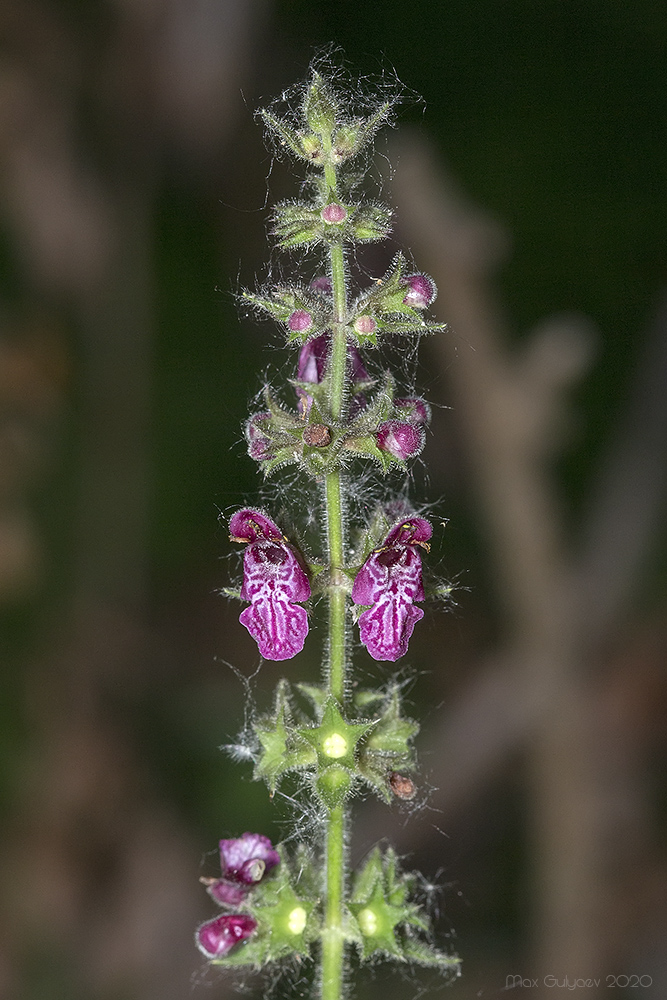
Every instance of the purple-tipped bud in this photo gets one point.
(333, 214)
(273, 579)
(387, 584)
(300, 321)
(414, 410)
(260, 445)
(216, 938)
(365, 324)
(322, 284)
(421, 291)
(402, 440)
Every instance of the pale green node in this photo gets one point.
(296, 921)
(335, 745)
(368, 922)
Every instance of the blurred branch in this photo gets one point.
(92, 113)
(510, 409)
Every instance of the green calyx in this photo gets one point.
(381, 907)
(335, 751)
(281, 749)
(300, 224)
(334, 739)
(388, 748)
(329, 137)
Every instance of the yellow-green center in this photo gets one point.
(368, 922)
(297, 920)
(335, 745)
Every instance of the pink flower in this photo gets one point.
(243, 863)
(421, 291)
(387, 584)
(273, 579)
(217, 937)
(400, 439)
(312, 365)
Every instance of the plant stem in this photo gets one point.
(333, 944)
(332, 935)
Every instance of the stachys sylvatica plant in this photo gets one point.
(351, 437)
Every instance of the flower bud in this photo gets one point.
(402, 440)
(413, 409)
(333, 214)
(421, 291)
(300, 321)
(365, 325)
(259, 442)
(217, 937)
(322, 284)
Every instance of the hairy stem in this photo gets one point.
(333, 946)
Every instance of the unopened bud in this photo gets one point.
(300, 321)
(260, 445)
(421, 291)
(414, 409)
(322, 284)
(402, 440)
(333, 214)
(365, 324)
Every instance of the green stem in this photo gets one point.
(333, 942)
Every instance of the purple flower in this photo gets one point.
(243, 863)
(259, 442)
(273, 579)
(421, 291)
(217, 937)
(413, 409)
(313, 358)
(400, 439)
(388, 582)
